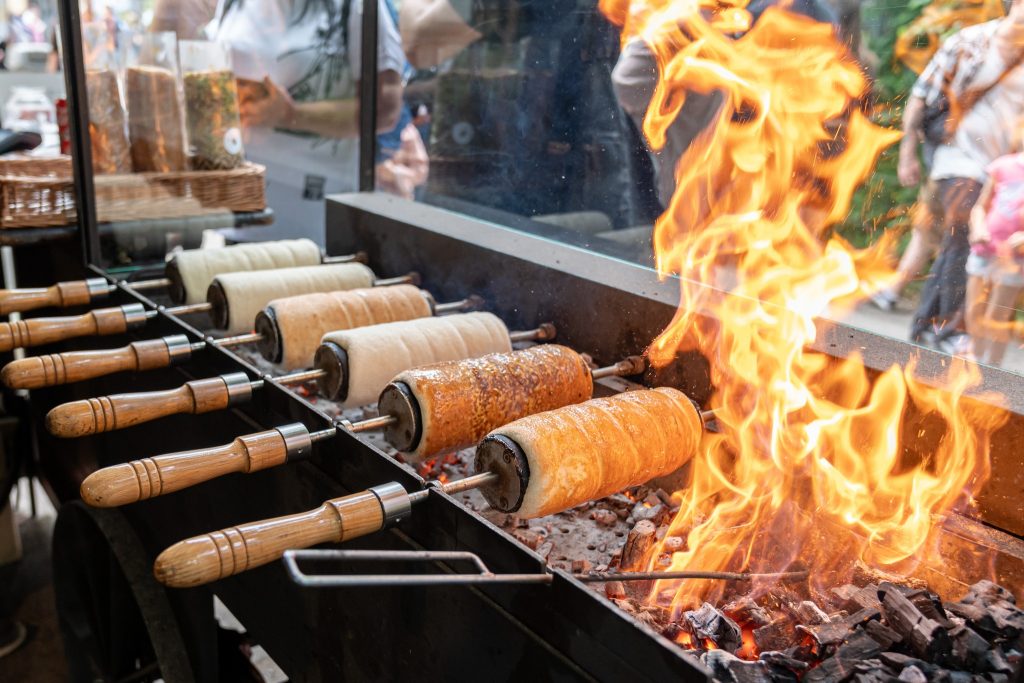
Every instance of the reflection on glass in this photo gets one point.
(533, 113)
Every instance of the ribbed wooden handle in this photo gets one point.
(61, 294)
(75, 366)
(152, 477)
(213, 556)
(107, 413)
(38, 331)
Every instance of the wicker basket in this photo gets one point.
(37, 193)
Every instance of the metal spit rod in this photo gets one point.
(483, 574)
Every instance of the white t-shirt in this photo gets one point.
(308, 57)
(989, 130)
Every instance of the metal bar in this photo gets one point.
(358, 257)
(483, 575)
(186, 309)
(143, 285)
(707, 415)
(299, 377)
(471, 303)
(545, 332)
(372, 423)
(368, 98)
(633, 365)
(717, 576)
(238, 340)
(322, 434)
(410, 279)
(78, 126)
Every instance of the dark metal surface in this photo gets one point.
(368, 97)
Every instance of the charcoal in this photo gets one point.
(925, 636)
(994, 661)
(985, 593)
(672, 544)
(1002, 619)
(810, 614)
(859, 646)
(840, 594)
(747, 613)
(727, 667)
(643, 511)
(872, 671)
(864, 598)
(780, 674)
(638, 545)
(832, 669)
(968, 647)
(930, 606)
(604, 517)
(827, 634)
(708, 623)
(615, 590)
(781, 659)
(882, 634)
(774, 636)
(912, 674)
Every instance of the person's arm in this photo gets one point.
(433, 31)
(909, 168)
(326, 118)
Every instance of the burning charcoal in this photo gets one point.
(708, 624)
(866, 597)
(615, 590)
(664, 496)
(672, 631)
(826, 634)
(832, 669)
(882, 634)
(747, 613)
(604, 517)
(926, 637)
(912, 674)
(638, 546)
(810, 614)
(774, 636)
(840, 594)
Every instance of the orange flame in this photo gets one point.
(810, 444)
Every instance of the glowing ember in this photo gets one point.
(809, 465)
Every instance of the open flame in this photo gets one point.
(809, 467)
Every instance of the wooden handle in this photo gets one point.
(62, 294)
(107, 413)
(37, 331)
(207, 558)
(152, 477)
(75, 366)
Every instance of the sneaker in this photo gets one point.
(884, 300)
(956, 345)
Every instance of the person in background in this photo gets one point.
(995, 267)
(636, 75)
(979, 70)
(297, 64)
(524, 119)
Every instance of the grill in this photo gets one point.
(549, 623)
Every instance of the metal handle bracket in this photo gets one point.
(483, 575)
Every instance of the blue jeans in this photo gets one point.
(944, 291)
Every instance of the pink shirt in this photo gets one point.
(1006, 212)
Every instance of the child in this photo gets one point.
(996, 264)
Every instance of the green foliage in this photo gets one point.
(881, 203)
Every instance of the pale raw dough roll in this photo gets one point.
(198, 267)
(246, 293)
(303, 320)
(377, 353)
(460, 401)
(597, 448)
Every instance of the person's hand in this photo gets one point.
(979, 233)
(909, 169)
(276, 109)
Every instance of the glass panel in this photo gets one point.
(531, 115)
(222, 122)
